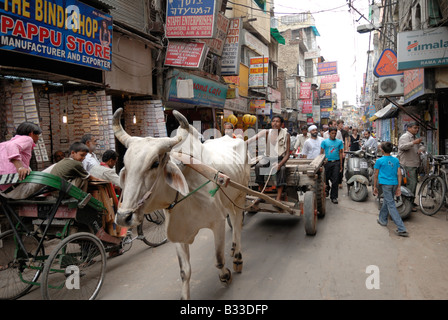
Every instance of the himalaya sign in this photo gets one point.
(422, 48)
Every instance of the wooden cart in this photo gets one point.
(304, 194)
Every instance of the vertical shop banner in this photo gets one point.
(185, 54)
(230, 62)
(305, 90)
(63, 30)
(258, 74)
(191, 18)
(216, 45)
(307, 106)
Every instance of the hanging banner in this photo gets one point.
(191, 19)
(230, 62)
(258, 73)
(305, 90)
(63, 30)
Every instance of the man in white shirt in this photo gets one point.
(301, 139)
(91, 159)
(311, 148)
(369, 141)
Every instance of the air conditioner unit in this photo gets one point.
(391, 86)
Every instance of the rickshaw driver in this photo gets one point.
(278, 143)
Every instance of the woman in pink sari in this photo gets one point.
(15, 154)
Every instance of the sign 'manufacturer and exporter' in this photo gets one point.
(422, 48)
(64, 30)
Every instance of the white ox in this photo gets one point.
(153, 180)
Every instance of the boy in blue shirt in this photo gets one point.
(333, 149)
(388, 175)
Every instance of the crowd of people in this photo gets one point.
(333, 140)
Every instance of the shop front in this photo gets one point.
(200, 99)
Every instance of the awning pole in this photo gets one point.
(426, 126)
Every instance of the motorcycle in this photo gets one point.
(357, 175)
(403, 202)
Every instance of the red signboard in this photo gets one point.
(307, 106)
(305, 90)
(330, 78)
(185, 54)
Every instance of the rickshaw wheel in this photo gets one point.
(17, 273)
(75, 269)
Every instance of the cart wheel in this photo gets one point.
(75, 269)
(17, 273)
(152, 230)
(310, 213)
(320, 194)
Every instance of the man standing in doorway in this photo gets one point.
(409, 150)
(333, 150)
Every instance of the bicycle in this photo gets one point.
(432, 193)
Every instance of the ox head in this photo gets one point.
(148, 172)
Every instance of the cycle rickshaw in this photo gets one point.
(58, 240)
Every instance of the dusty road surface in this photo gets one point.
(351, 257)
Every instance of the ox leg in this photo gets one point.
(225, 275)
(236, 241)
(183, 254)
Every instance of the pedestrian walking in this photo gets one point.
(333, 150)
(388, 176)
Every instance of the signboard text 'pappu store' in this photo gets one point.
(63, 30)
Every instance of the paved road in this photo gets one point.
(281, 262)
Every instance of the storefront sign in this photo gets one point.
(422, 48)
(216, 45)
(258, 73)
(326, 68)
(329, 79)
(387, 64)
(206, 92)
(414, 84)
(191, 18)
(63, 30)
(307, 106)
(185, 54)
(325, 94)
(325, 86)
(305, 90)
(230, 62)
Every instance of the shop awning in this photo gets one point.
(387, 112)
(276, 34)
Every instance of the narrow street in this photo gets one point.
(282, 263)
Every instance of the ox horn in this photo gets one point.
(182, 120)
(119, 132)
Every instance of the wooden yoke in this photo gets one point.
(223, 180)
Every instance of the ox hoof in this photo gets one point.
(238, 266)
(226, 278)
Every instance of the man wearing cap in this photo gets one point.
(311, 148)
(409, 150)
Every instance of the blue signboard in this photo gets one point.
(191, 19)
(64, 30)
(207, 93)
